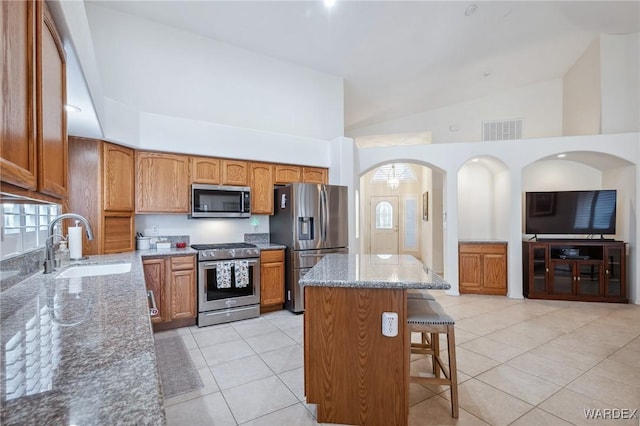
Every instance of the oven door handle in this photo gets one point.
(251, 261)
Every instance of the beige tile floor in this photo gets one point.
(520, 362)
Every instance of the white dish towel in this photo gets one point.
(223, 275)
(242, 273)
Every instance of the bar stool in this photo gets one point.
(428, 318)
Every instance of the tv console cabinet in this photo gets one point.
(585, 270)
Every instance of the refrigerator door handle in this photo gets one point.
(325, 212)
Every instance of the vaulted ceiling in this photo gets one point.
(398, 58)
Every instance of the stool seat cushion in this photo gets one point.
(427, 312)
(419, 294)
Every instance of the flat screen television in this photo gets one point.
(571, 212)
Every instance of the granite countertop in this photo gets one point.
(270, 246)
(81, 350)
(372, 271)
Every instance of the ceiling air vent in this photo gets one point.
(502, 130)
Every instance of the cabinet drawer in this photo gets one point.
(182, 262)
(267, 256)
(483, 248)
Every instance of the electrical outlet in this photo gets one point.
(390, 324)
(155, 229)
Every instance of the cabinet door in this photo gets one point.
(205, 170)
(18, 106)
(162, 183)
(118, 232)
(235, 173)
(538, 269)
(287, 174)
(562, 277)
(614, 272)
(271, 277)
(314, 175)
(182, 287)
(470, 271)
(118, 177)
(589, 279)
(154, 278)
(494, 273)
(51, 97)
(261, 183)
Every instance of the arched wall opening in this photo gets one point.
(420, 230)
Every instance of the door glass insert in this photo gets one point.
(384, 215)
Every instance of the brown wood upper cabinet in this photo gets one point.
(285, 173)
(33, 143)
(162, 183)
(51, 98)
(314, 175)
(261, 183)
(235, 173)
(17, 109)
(118, 177)
(101, 187)
(205, 170)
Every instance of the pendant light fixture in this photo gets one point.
(392, 180)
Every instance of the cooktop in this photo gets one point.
(222, 246)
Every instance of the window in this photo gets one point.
(384, 215)
(25, 226)
(404, 173)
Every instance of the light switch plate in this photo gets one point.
(390, 324)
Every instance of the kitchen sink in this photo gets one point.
(93, 270)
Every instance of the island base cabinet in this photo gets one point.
(353, 373)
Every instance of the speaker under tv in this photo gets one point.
(571, 212)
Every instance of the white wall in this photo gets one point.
(540, 105)
(624, 148)
(475, 202)
(620, 83)
(582, 94)
(201, 231)
(177, 74)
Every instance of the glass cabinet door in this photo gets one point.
(540, 270)
(588, 279)
(614, 271)
(562, 277)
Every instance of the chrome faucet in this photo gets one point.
(49, 260)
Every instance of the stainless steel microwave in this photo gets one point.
(220, 201)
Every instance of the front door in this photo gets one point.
(384, 225)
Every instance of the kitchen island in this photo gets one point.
(80, 350)
(353, 373)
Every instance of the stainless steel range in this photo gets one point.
(228, 282)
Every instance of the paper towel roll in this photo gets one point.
(75, 242)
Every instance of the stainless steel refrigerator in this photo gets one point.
(311, 220)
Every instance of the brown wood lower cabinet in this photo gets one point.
(591, 270)
(482, 267)
(271, 280)
(173, 283)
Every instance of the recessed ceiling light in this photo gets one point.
(329, 3)
(475, 160)
(71, 108)
(562, 155)
(470, 10)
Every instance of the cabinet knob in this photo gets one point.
(606, 271)
(578, 278)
